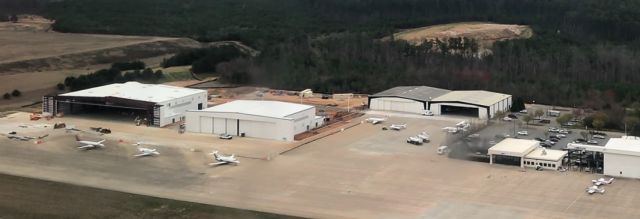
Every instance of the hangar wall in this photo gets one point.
(174, 110)
(436, 108)
(397, 104)
(250, 125)
(621, 165)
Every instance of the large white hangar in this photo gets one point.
(412, 99)
(255, 118)
(160, 104)
(483, 104)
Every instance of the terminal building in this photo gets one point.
(254, 118)
(417, 99)
(160, 104)
(526, 153)
(621, 156)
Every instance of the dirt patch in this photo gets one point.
(32, 23)
(485, 33)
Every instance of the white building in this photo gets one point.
(621, 156)
(545, 158)
(251, 118)
(160, 104)
(483, 104)
(411, 99)
(527, 153)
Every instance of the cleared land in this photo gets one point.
(485, 33)
(362, 172)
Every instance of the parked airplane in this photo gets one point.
(594, 189)
(450, 129)
(90, 144)
(398, 127)
(146, 152)
(375, 120)
(425, 137)
(21, 138)
(602, 181)
(223, 159)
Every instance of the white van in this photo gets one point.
(442, 150)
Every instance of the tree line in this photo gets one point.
(117, 73)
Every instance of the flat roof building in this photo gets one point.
(254, 118)
(527, 152)
(621, 156)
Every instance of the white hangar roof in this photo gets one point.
(478, 97)
(265, 108)
(514, 147)
(136, 91)
(629, 145)
(422, 93)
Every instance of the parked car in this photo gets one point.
(599, 136)
(592, 142)
(226, 136)
(523, 133)
(549, 142)
(561, 135)
(540, 139)
(427, 113)
(543, 144)
(580, 140)
(554, 139)
(506, 118)
(414, 141)
(563, 131)
(524, 111)
(553, 129)
(513, 116)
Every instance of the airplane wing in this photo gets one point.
(86, 146)
(218, 163)
(141, 155)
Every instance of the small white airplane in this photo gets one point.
(223, 159)
(602, 181)
(375, 120)
(21, 138)
(398, 127)
(146, 152)
(424, 136)
(594, 189)
(450, 129)
(89, 144)
(463, 124)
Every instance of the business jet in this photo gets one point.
(594, 189)
(602, 181)
(398, 127)
(375, 120)
(146, 152)
(90, 144)
(223, 159)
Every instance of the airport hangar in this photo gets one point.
(621, 156)
(255, 118)
(411, 99)
(417, 99)
(160, 104)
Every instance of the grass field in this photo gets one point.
(31, 198)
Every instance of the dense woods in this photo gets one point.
(583, 52)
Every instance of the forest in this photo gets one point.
(583, 52)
